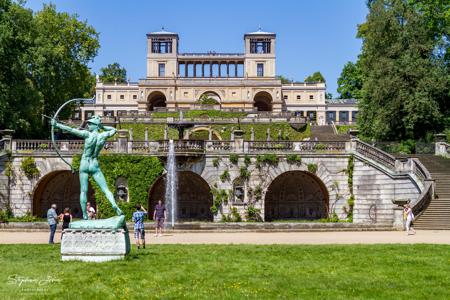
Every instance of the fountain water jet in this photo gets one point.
(171, 184)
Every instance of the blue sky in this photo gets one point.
(317, 35)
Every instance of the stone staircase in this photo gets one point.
(326, 133)
(437, 214)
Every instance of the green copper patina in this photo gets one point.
(110, 223)
(94, 140)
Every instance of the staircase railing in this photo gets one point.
(427, 194)
(375, 154)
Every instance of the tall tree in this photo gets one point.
(350, 82)
(113, 73)
(405, 85)
(44, 61)
(315, 77)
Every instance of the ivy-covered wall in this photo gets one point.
(140, 171)
(156, 131)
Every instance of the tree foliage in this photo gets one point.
(350, 82)
(44, 59)
(284, 80)
(113, 73)
(315, 77)
(406, 84)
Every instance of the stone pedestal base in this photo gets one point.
(95, 245)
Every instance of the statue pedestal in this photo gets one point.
(96, 240)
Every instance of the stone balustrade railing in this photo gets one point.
(375, 154)
(427, 193)
(183, 146)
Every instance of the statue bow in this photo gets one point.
(55, 116)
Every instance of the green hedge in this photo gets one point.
(140, 171)
(156, 131)
(200, 113)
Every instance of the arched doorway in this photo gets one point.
(296, 195)
(61, 188)
(209, 98)
(193, 194)
(263, 101)
(202, 133)
(155, 100)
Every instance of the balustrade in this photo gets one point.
(376, 154)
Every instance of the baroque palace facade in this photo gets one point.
(237, 81)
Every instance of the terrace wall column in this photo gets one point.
(195, 69)
(210, 69)
(219, 64)
(235, 69)
(186, 66)
(203, 69)
(228, 69)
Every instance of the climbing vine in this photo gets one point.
(225, 176)
(219, 197)
(140, 171)
(351, 199)
(312, 167)
(29, 168)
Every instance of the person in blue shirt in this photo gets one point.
(139, 231)
(52, 219)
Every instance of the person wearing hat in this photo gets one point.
(94, 139)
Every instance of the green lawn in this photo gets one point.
(233, 272)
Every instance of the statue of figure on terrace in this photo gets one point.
(94, 140)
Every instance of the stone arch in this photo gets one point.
(215, 134)
(296, 195)
(156, 99)
(262, 101)
(62, 188)
(193, 194)
(211, 94)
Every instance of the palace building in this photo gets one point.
(236, 81)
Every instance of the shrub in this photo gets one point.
(234, 158)
(266, 159)
(225, 176)
(312, 167)
(253, 214)
(293, 159)
(29, 168)
(234, 215)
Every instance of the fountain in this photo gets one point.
(171, 184)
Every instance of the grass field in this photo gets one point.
(232, 272)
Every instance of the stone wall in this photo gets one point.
(374, 186)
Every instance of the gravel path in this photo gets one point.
(360, 237)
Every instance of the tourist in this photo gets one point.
(52, 219)
(139, 231)
(409, 217)
(65, 218)
(159, 216)
(90, 211)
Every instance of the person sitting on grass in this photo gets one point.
(139, 231)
